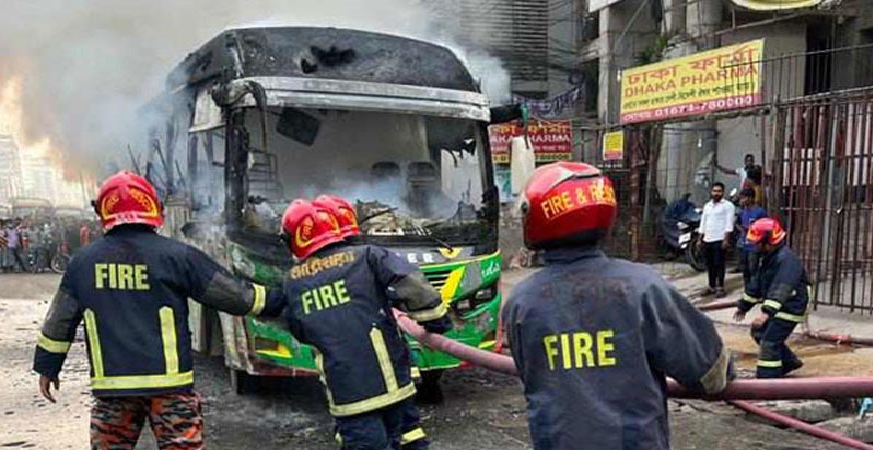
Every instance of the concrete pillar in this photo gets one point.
(675, 16)
(703, 18)
(618, 43)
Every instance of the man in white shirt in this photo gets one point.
(716, 225)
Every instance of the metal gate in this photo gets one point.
(823, 185)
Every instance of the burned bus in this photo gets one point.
(259, 116)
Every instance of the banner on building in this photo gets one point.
(613, 146)
(774, 5)
(716, 80)
(553, 107)
(552, 141)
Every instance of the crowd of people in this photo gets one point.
(28, 245)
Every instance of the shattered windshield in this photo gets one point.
(408, 175)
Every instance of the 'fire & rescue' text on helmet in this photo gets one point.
(567, 203)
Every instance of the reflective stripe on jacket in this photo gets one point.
(132, 289)
(340, 301)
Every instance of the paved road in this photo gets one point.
(482, 411)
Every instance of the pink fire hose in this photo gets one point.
(819, 335)
(800, 425)
(775, 389)
(715, 306)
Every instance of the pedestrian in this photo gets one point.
(783, 285)
(412, 435)
(132, 290)
(750, 213)
(15, 244)
(5, 256)
(85, 234)
(340, 300)
(716, 226)
(594, 337)
(750, 174)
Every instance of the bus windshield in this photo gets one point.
(408, 175)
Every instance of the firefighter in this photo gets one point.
(593, 337)
(783, 284)
(338, 298)
(131, 289)
(412, 435)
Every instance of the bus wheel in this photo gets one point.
(243, 383)
(429, 391)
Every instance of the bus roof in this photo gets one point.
(323, 53)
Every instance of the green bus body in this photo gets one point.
(460, 281)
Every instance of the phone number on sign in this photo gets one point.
(693, 108)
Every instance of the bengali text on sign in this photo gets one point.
(715, 80)
(613, 146)
(552, 141)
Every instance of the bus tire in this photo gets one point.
(243, 383)
(429, 391)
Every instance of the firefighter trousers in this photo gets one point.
(175, 419)
(775, 359)
(375, 430)
(412, 435)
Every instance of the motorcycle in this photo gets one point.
(61, 258)
(679, 224)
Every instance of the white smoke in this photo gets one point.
(88, 65)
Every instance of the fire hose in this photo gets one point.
(818, 335)
(800, 425)
(734, 393)
(757, 389)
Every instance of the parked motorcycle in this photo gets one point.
(679, 224)
(61, 258)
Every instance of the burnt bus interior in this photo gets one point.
(418, 178)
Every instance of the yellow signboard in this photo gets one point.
(773, 5)
(715, 80)
(613, 146)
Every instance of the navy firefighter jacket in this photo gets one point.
(340, 302)
(782, 284)
(593, 339)
(131, 288)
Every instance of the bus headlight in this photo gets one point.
(469, 303)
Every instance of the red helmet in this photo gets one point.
(766, 230)
(308, 228)
(566, 203)
(128, 198)
(344, 212)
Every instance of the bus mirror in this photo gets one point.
(298, 125)
(506, 113)
(194, 230)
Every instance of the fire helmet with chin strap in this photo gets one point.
(307, 228)
(567, 203)
(127, 198)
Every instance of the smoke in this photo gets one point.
(87, 65)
